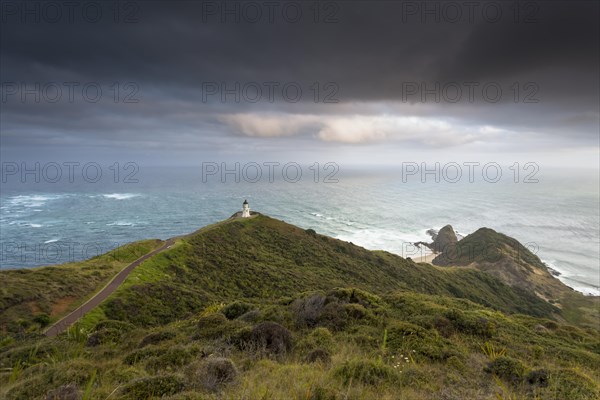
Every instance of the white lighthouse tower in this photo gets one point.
(246, 209)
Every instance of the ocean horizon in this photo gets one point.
(557, 217)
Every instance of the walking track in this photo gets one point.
(61, 325)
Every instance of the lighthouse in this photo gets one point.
(245, 209)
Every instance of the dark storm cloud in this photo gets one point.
(371, 51)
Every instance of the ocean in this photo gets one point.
(44, 223)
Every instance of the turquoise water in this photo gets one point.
(558, 218)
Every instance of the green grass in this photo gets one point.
(54, 291)
(390, 328)
(263, 258)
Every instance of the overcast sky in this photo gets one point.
(369, 73)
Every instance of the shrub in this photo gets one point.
(318, 355)
(65, 392)
(271, 337)
(356, 311)
(307, 310)
(311, 232)
(352, 295)
(436, 349)
(212, 326)
(552, 325)
(507, 368)
(236, 309)
(538, 377)
(104, 336)
(121, 326)
(171, 359)
(333, 316)
(401, 334)
(42, 319)
(242, 338)
(471, 323)
(364, 371)
(140, 355)
(211, 373)
(157, 337)
(443, 325)
(250, 316)
(321, 337)
(145, 388)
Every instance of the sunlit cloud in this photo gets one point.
(360, 129)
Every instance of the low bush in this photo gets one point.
(157, 337)
(250, 316)
(364, 371)
(241, 338)
(104, 336)
(352, 295)
(506, 368)
(42, 319)
(538, 377)
(212, 373)
(318, 355)
(65, 392)
(403, 334)
(142, 354)
(356, 311)
(171, 360)
(212, 326)
(333, 316)
(155, 386)
(471, 323)
(114, 324)
(271, 337)
(307, 310)
(236, 309)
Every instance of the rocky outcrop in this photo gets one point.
(444, 240)
(505, 258)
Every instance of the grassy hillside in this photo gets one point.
(32, 298)
(259, 309)
(508, 260)
(263, 259)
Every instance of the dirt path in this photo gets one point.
(62, 324)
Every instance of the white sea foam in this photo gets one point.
(31, 201)
(400, 243)
(120, 196)
(121, 223)
(51, 241)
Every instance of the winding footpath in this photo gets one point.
(62, 324)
